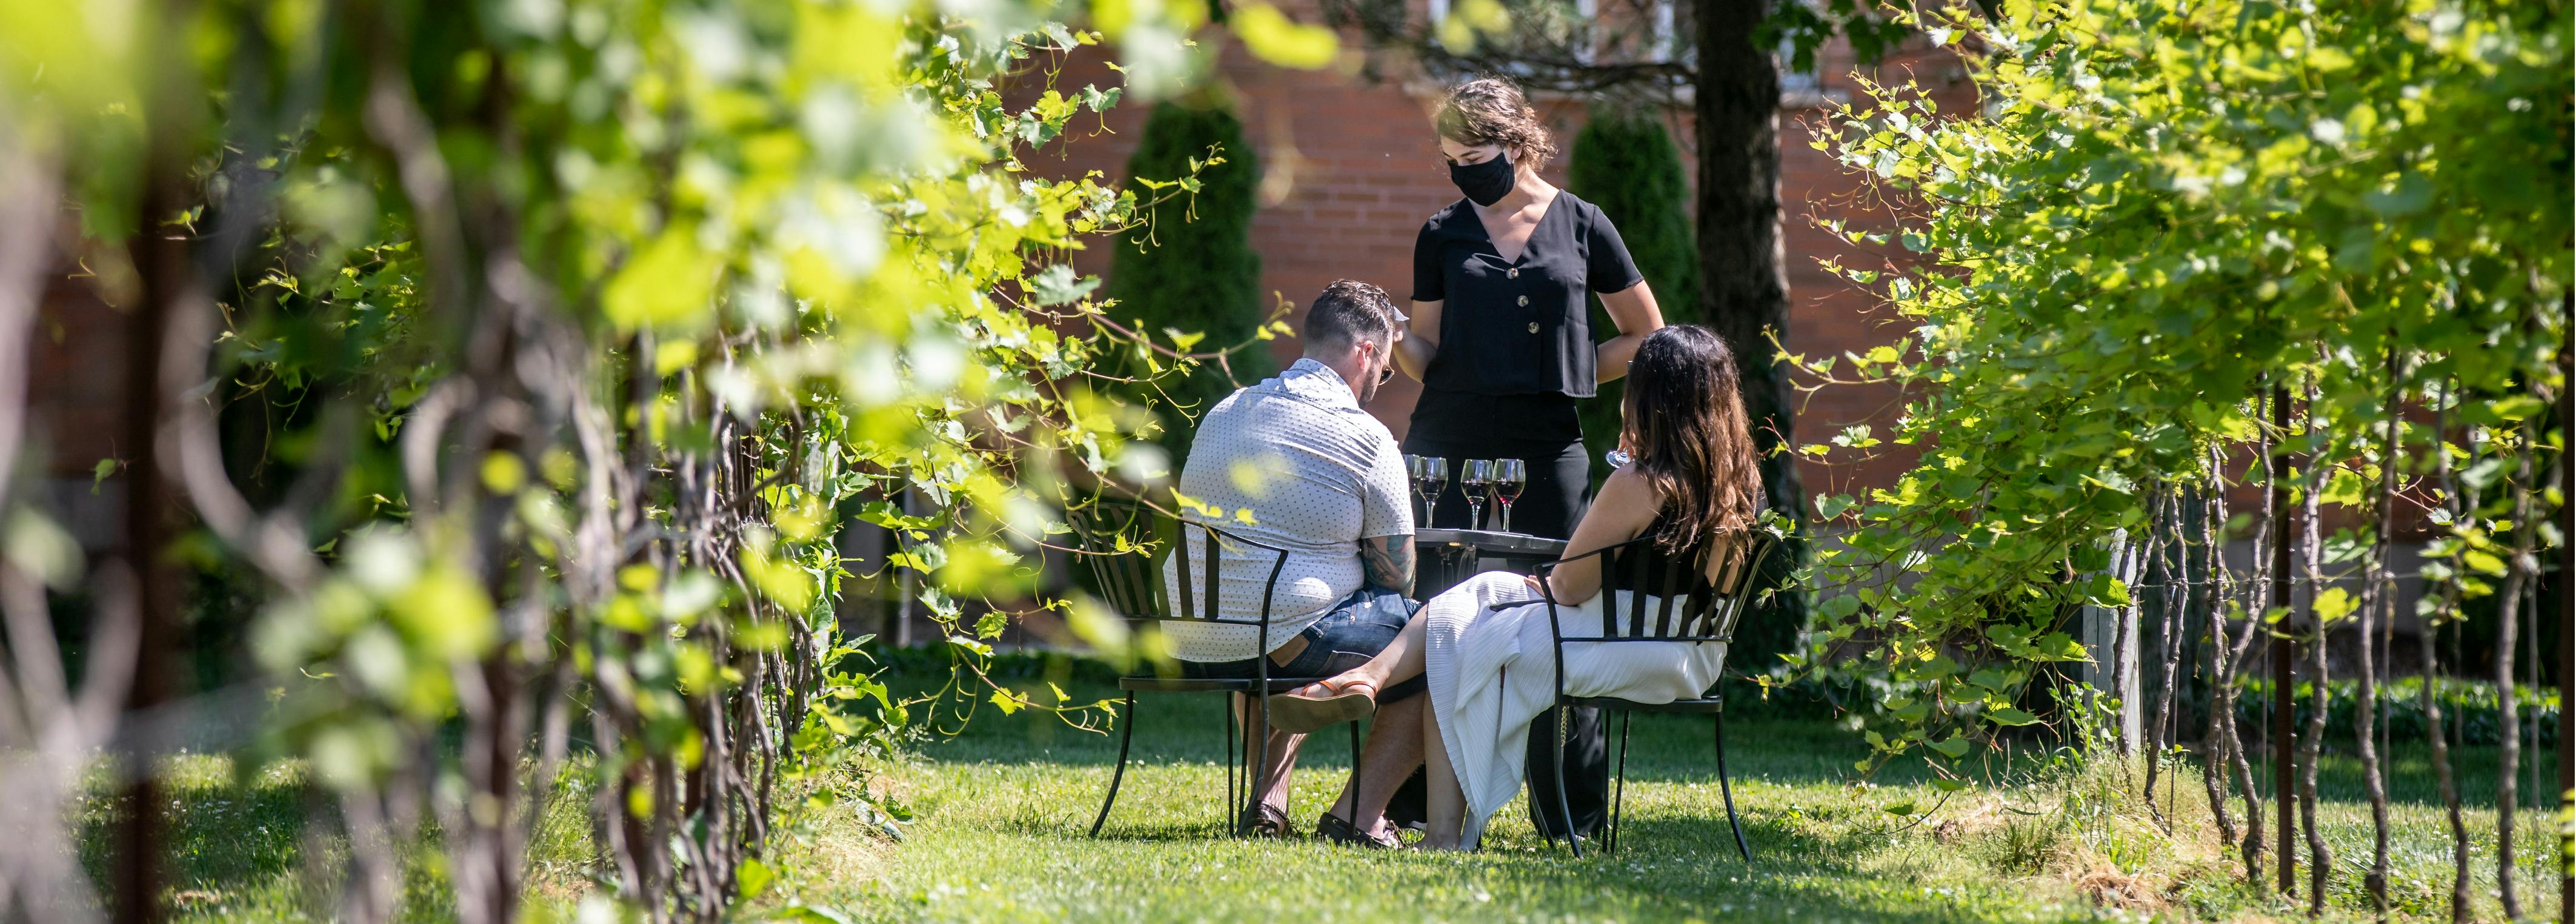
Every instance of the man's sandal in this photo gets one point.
(1263, 820)
(1346, 701)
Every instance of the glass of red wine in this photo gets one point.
(1509, 475)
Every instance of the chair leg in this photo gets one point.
(1355, 771)
(1125, 735)
(1619, 792)
(1259, 731)
(1233, 746)
(1564, 811)
(1725, 791)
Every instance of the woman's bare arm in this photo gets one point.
(1624, 508)
(1421, 340)
(1633, 310)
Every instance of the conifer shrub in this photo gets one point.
(1191, 269)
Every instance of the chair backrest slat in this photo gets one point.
(1705, 603)
(1132, 580)
(1610, 564)
(1148, 572)
(1181, 571)
(1216, 547)
(1689, 605)
(1676, 586)
(1741, 580)
(1643, 560)
(1126, 578)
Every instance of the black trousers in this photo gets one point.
(1550, 505)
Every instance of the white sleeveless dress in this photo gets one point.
(1492, 671)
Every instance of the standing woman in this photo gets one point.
(1500, 336)
(1501, 340)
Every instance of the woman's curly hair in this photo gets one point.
(1492, 110)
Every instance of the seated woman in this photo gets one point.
(1485, 645)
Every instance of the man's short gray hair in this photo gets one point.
(1347, 313)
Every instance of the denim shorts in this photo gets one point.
(1352, 632)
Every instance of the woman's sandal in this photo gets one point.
(1332, 828)
(1346, 701)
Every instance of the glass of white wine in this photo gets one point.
(1434, 476)
(1472, 481)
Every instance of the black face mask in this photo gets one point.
(1484, 183)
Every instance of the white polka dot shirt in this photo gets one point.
(1319, 475)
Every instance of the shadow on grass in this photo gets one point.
(226, 838)
(1669, 867)
(1677, 749)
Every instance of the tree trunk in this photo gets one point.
(2517, 580)
(2220, 752)
(1744, 292)
(2448, 610)
(166, 270)
(2379, 589)
(2174, 557)
(2320, 698)
(2566, 608)
(2284, 650)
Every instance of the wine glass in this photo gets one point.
(1435, 475)
(1509, 475)
(1413, 481)
(1472, 481)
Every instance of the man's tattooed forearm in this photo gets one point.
(1388, 561)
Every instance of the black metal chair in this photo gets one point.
(1125, 544)
(1687, 606)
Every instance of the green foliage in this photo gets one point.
(1807, 27)
(2468, 709)
(2163, 212)
(1188, 270)
(596, 316)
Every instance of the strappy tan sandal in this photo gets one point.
(1331, 827)
(1346, 701)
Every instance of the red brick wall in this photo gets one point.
(1354, 169)
(76, 378)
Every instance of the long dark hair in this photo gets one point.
(1685, 432)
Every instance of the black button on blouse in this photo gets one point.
(1518, 327)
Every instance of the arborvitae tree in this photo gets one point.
(1626, 163)
(1192, 269)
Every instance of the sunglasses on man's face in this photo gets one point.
(1386, 374)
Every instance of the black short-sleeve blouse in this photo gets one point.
(1519, 327)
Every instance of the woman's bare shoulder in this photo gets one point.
(1626, 482)
(1629, 493)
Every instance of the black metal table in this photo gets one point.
(1445, 557)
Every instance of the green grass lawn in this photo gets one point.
(999, 814)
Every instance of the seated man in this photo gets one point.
(1325, 481)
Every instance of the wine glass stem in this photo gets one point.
(1506, 514)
